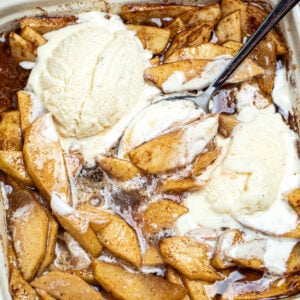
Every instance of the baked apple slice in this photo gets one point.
(161, 215)
(12, 163)
(229, 28)
(153, 38)
(44, 158)
(46, 24)
(24, 106)
(66, 286)
(189, 257)
(28, 223)
(203, 51)
(21, 49)
(175, 149)
(80, 229)
(130, 286)
(117, 236)
(140, 13)
(119, 169)
(10, 131)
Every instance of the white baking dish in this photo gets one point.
(11, 10)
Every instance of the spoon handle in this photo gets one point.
(279, 11)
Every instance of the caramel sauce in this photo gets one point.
(12, 78)
(224, 100)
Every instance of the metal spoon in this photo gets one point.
(279, 11)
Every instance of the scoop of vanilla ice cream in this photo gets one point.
(90, 74)
(258, 166)
(254, 167)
